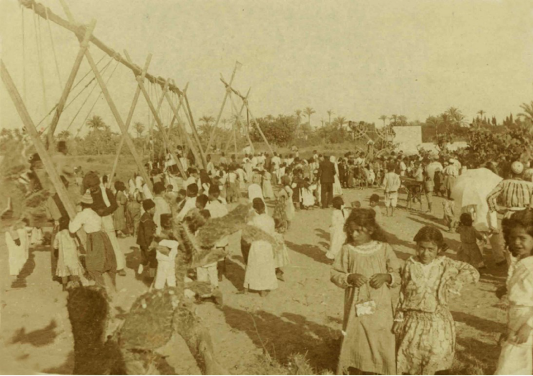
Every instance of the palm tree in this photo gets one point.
(330, 112)
(456, 117)
(64, 135)
(139, 128)
(298, 116)
(207, 120)
(402, 120)
(528, 111)
(393, 120)
(309, 111)
(95, 123)
(339, 121)
(481, 113)
(384, 118)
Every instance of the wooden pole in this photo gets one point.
(194, 129)
(159, 123)
(245, 101)
(221, 109)
(84, 44)
(111, 104)
(38, 144)
(128, 122)
(155, 113)
(240, 117)
(187, 137)
(72, 26)
(202, 161)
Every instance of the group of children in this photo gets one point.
(418, 335)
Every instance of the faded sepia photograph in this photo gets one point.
(266, 187)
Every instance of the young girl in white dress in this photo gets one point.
(336, 230)
(261, 267)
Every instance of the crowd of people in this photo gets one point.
(415, 337)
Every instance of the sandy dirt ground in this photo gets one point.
(302, 316)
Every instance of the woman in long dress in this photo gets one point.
(337, 188)
(119, 216)
(261, 267)
(268, 193)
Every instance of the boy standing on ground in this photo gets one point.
(374, 205)
(391, 183)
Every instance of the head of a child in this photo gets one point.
(149, 206)
(182, 193)
(192, 190)
(374, 200)
(159, 188)
(170, 188)
(259, 205)
(86, 201)
(429, 244)
(166, 222)
(466, 219)
(361, 227)
(214, 191)
(518, 233)
(201, 202)
(391, 167)
(356, 204)
(337, 202)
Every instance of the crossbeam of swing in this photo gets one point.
(111, 103)
(79, 30)
(245, 102)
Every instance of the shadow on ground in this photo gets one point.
(37, 338)
(282, 336)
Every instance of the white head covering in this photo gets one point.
(332, 159)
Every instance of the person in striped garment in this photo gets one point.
(509, 196)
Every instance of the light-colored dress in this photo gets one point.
(119, 216)
(268, 193)
(369, 343)
(68, 262)
(426, 340)
(18, 254)
(518, 359)
(337, 235)
(261, 267)
(337, 188)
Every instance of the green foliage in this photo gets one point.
(279, 130)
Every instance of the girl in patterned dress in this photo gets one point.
(366, 268)
(516, 357)
(423, 324)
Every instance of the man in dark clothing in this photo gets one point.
(145, 236)
(326, 177)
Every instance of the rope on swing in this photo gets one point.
(39, 52)
(53, 47)
(86, 99)
(97, 99)
(77, 95)
(23, 52)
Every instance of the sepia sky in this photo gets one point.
(360, 59)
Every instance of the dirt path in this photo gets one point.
(302, 316)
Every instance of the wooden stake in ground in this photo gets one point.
(128, 122)
(39, 146)
(194, 129)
